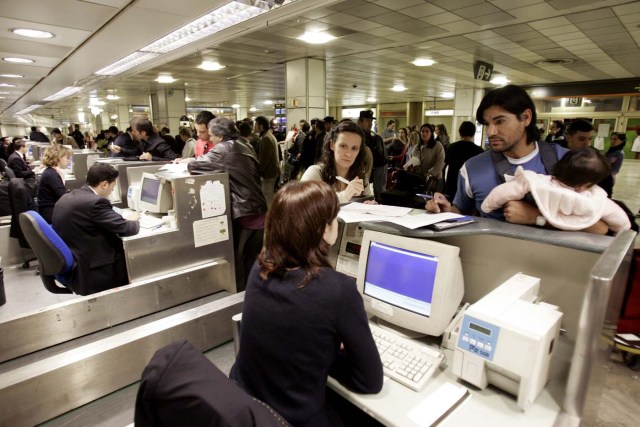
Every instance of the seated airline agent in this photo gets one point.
(86, 222)
(301, 319)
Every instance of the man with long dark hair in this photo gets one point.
(509, 117)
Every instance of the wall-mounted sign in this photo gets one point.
(402, 113)
(482, 71)
(574, 102)
(438, 113)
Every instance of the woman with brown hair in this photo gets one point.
(301, 319)
(51, 186)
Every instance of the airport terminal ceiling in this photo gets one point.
(527, 41)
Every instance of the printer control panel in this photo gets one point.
(478, 337)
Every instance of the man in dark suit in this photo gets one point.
(153, 146)
(459, 152)
(124, 145)
(86, 222)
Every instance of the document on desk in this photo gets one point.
(378, 210)
(176, 168)
(438, 405)
(422, 220)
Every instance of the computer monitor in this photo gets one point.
(414, 285)
(69, 169)
(155, 194)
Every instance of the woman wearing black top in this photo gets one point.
(302, 320)
(16, 162)
(51, 186)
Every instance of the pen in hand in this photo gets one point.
(343, 180)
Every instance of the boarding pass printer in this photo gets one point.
(507, 339)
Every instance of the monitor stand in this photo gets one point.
(406, 333)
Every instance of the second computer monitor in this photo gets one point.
(155, 194)
(415, 285)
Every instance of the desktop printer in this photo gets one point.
(506, 339)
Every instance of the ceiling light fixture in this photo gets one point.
(253, 109)
(36, 34)
(187, 99)
(95, 110)
(268, 102)
(93, 102)
(398, 88)
(69, 90)
(371, 99)
(126, 63)
(500, 80)
(217, 20)
(8, 85)
(18, 60)
(27, 110)
(81, 117)
(423, 62)
(319, 37)
(211, 66)
(12, 76)
(447, 95)
(114, 116)
(112, 97)
(165, 78)
(235, 106)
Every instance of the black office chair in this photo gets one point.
(4, 168)
(54, 256)
(180, 386)
(20, 200)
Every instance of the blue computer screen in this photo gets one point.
(400, 277)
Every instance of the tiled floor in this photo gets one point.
(620, 403)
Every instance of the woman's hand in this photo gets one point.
(355, 188)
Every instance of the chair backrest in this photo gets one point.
(180, 386)
(20, 200)
(4, 169)
(54, 256)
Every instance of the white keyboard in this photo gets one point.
(410, 363)
(148, 221)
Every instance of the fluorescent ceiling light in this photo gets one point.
(114, 116)
(81, 117)
(319, 37)
(165, 78)
(93, 102)
(3, 97)
(211, 23)
(37, 34)
(8, 85)
(112, 97)
(398, 88)
(95, 110)
(423, 62)
(126, 63)
(80, 110)
(12, 76)
(187, 99)
(217, 20)
(447, 95)
(210, 66)
(253, 109)
(500, 80)
(28, 109)
(268, 102)
(235, 106)
(69, 90)
(18, 60)
(371, 99)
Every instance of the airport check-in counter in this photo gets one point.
(202, 231)
(82, 161)
(182, 286)
(118, 197)
(583, 274)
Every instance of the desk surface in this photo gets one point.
(489, 407)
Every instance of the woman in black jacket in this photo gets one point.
(51, 186)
